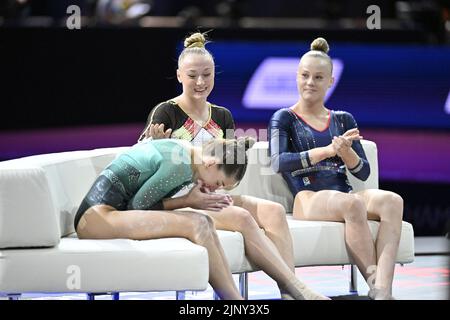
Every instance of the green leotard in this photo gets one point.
(151, 171)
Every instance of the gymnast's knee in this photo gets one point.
(353, 209)
(241, 218)
(201, 228)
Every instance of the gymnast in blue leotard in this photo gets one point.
(291, 132)
(311, 146)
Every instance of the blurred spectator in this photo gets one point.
(13, 9)
(427, 16)
(119, 12)
(35, 12)
(430, 16)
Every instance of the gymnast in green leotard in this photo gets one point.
(148, 174)
(131, 198)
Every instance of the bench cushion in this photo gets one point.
(27, 216)
(106, 265)
(45, 191)
(319, 243)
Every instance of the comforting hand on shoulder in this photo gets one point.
(156, 131)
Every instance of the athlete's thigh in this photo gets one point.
(104, 222)
(262, 210)
(374, 200)
(229, 218)
(324, 205)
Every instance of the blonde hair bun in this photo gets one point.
(320, 44)
(196, 40)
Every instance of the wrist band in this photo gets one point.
(358, 167)
(304, 158)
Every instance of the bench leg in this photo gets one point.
(243, 285)
(181, 295)
(353, 279)
(91, 296)
(13, 296)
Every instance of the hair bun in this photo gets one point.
(320, 44)
(245, 142)
(196, 40)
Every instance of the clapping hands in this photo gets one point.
(342, 144)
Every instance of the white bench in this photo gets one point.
(40, 252)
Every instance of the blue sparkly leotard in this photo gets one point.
(291, 138)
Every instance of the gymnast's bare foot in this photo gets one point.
(380, 294)
(300, 291)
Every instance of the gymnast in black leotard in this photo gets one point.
(191, 117)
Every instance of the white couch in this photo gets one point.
(39, 251)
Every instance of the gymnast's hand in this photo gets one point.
(342, 144)
(156, 131)
(201, 198)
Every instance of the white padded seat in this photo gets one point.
(105, 266)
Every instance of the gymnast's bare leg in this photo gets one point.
(271, 217)
(105, 222)
(375, 262)
(261, 251)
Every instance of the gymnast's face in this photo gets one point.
(314, 78)
(196, 74)
(213, 177)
